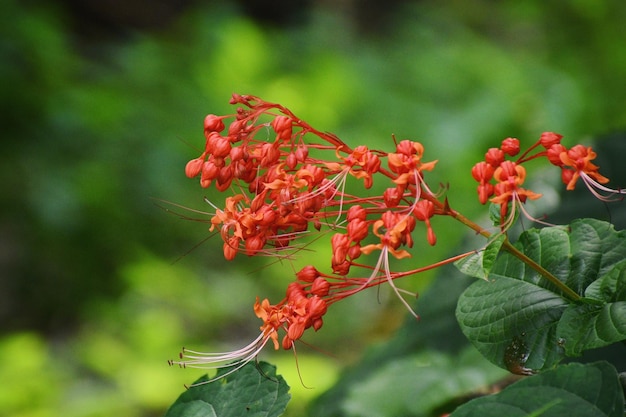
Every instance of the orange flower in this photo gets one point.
(510, 177)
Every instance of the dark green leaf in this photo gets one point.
(433, 377)
(601, 320)
(513, 319)
(254, 390)
(512, 323)
(610, 287)
(588, 326)
(573, 390)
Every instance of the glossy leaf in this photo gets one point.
(574, 390)
(254, 390)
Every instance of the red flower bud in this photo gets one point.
(235, 128)
(302, 153)
(316, 307)
(482, 172)
(222, 148)
(356, 212)
(213, 123)
(308, 274)
(424, 210)
(295, 292)
(209, 171)
(317, 324)
(494, 157)
(295, 331)
(291, 160)
(510, 146)
(408, 148)
(193, 167)
(355, 251)
(320, 287)
(484, 192)
(392, 197)
(548, 139)
(231, 247)
(282, 125)
(554, 154)
(237, 153)
(567, 175)
(357, 230)
(254, 244)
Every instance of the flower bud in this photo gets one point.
(222, 148)
(510, 146)
(424, 210)
(320, 287)
(302, 153)
(209, 171)
(554, 154)
(213, 123)
(354, 252)
(308, 274)
(291, 160)
(548, 139)
(231, 247)
(567, 175)
(357, 230)
(295, 330)
(484, 192)
(316, 307)
(494, 157)
(287, 342)
(482, 172)
(317, 324)
(392, 197)
(193, 167)
(254, 244)
(356, 212)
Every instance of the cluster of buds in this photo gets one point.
(500, 179)
(288, 180)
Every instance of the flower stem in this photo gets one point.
(573, 295)
(508, 246)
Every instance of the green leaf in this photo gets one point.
(601, 320)
(433, 377)
(588, 326)
(573, 390)
(479, 264)
(512, 323)
(513, 318)
(254, 390)
(609, 287)
(494, 214)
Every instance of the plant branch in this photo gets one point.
(508, 246)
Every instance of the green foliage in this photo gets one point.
(517, 319)
(520, 321)
(434, 378)
(253, 390)
(574, 390)
(93, 129)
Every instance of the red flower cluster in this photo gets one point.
(500, 179)
(288, 179)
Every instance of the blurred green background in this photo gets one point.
(102, 106)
